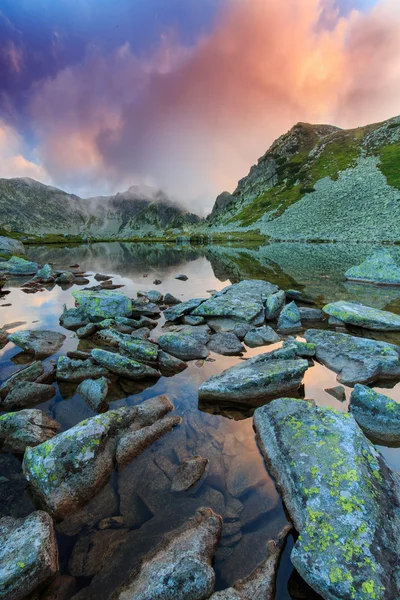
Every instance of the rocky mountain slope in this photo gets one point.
(320, 182)
(30, 207)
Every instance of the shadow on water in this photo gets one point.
(236, 484)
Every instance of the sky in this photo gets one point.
(99, 95)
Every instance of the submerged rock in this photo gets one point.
(377, 414)
(341, 495)
(9, 246)
(180, 567)
(354, 313)
(28, 554)
(104, 303)
(122, 365)
(27, 393)
(356, 360)
(186, 344)
(25, 428)
(378, 268)
(179, 309)
(289, 318)
(242, 301)
(39, 341)
(254, 380)
(189, 473)
(93, 551)
(29, 373)
(274, 304)
(65, 472)
(75, 370)
(18, 266)
(225, 343)
(260, 336)
(94, 392)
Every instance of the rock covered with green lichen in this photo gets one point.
(104, 303)
(289, 318)
(341, 495)
(18, 266)
(354, 359)
(28, 427)
(28, 554)
(39, 341)
(377, 414)
(68, 470)
(123, 365)
(186, 343)
(378, 268)
(355, 313)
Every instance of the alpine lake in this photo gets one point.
(237, 484)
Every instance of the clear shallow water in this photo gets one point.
(226, 437)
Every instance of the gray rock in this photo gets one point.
(254, 380)
(142, 333)
(170, 365)
(73, 318)
(289, 318)
(260, 585)
(94, 392)
(355, 313)
(302, 349)
(241, 329)
(182, 277)
(180, 567)
(27, 393)
(122, 365)
(311, 314)
(18, 266)
(190, 320)
(109, 337)
(141, 350)
(39, 341)
(346, 508)
(177, 311)
(378, 268)
(189, 473)
(87, 330)
(28, 554)
(104, 303)
(152, 295)
(29, 373)
(298, 297)
(187, 344)
(25, 428)
(356, 360)
(9, 247)
(225, 343)
(143, 308)
(66, 277)
(45, 274)
(75, 371)
(170, 299)
(261, 336)
(222, 324)
(65, 472)
(274, 304)
(101, 277)
(337, 392)
(377, 414)
(242, 301)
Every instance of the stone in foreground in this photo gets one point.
(25, 428)
(39, 341)
(180, 567)
(28, 554)
(29, 373)
(104, 304)
(254, 380)
(341, 496)
(355, 313)
(377, 414)
(355, 360)
(242, 301)
(94, 392)
(27, 393)
(379, 268)
(67, 471)
(122, 365)
(77, 370)
(189, 473)
(260, 336)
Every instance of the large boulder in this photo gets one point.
(65, 472)
(356, 360)
(244, 301)
(25, 428)
(104, 303)
(189, 343)
(355, 313)
(341, 496)
(254, 380)
(377, 414)
(122, 365)
(379, 268)
(9, 247)
(18, 266)
(28, 554)
(39, 341)
(180, 567)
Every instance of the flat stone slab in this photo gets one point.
(187, 344)
(354, 313)
(226, 343)
(254, 380)
(377, 414)
(104, 303)
(39, 341)
(242, 301)
(341, 496)
(179, 309)
(354, 359)
(379, 268)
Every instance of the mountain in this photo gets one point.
(319, 182)
(30, 207)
